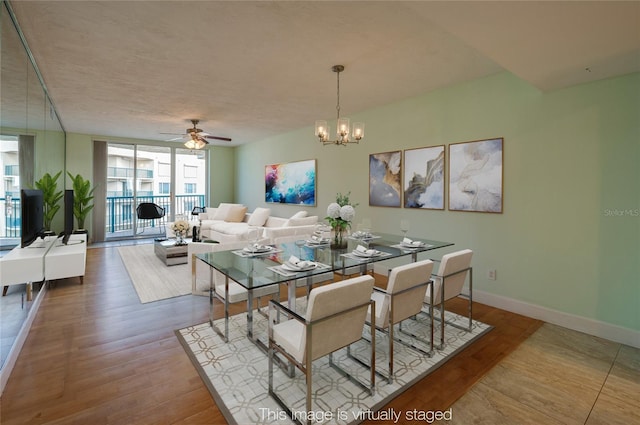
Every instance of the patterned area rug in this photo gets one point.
(236, 373)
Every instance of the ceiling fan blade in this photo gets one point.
(175, 138)
(224, 139)
(173, 134)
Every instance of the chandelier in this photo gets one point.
(195, 142)
(322, 129)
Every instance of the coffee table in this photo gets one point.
(170, 253)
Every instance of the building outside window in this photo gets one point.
(189, 188)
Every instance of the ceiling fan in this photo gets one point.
(196, 138)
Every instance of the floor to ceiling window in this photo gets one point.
(174, 179)
(10, 190)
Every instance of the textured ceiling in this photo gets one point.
(250, 70)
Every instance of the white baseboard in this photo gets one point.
(12, 357)
(597, 328)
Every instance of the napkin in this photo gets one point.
(318, 239)
(257, 247)
(363, 250)
(409, 242)
(361, 234)
(301, 264)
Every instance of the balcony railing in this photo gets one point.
(124, 172)
(12, 219)
(121, 210)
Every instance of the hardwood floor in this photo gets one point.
(96, 355)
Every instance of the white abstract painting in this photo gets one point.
(424, 178)
(475, 176)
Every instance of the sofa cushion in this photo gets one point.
(230, 228)
(223, 210)
(236, 214)
(259, 216)
(306, 221)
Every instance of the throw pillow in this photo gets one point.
(300, 214)
(306, 221)
(223, 210)
(236, 214)
(259, 217)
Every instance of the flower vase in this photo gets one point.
(339, 238)
(180, 239)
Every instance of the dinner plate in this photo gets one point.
(364, 254)
(412, 245)
(293, 268)
(258, 249)
(318, 242)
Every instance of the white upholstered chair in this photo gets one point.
(335, 318)
(448, 283)
(236, 292)
(402, 299)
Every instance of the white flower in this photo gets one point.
(180, 226)
(333, 210)
(347, 213)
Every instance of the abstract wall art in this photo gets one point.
(475, 176)
(385, 179)
(424, 178)
(291, 183)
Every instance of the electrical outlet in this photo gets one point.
(491, 274)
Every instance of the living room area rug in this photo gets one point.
(151, 278)
(236, 373)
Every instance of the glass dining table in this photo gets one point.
(258, 270)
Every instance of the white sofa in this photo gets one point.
(231, 223)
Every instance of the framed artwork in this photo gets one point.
(424, 178)
(385, 179)
(475, 176)
(291, 183)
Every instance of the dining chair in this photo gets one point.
(402, 299)
(151, 211)
(335, 318)
(448, 283)
(236, 292)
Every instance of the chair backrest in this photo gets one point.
(344, 327)
(450, 264)
(149, 211)
(408, 303)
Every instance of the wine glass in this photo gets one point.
(300, 243)
(253, 234)
(404, 227)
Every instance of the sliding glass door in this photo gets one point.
(10, 191)
(145, 173)
(190, 181)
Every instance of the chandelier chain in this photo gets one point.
(338, 104)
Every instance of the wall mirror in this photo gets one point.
(32, 142)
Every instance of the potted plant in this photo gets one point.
(51, 196)
(82, 198)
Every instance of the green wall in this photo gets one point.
(569, 237)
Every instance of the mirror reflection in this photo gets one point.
(32, 142)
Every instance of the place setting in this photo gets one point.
(363, 235)
(256, 249)
(295, 265)
(317, 240)
(411, 245)
(363, 253)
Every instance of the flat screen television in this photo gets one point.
(68, 215)
(32, 216)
